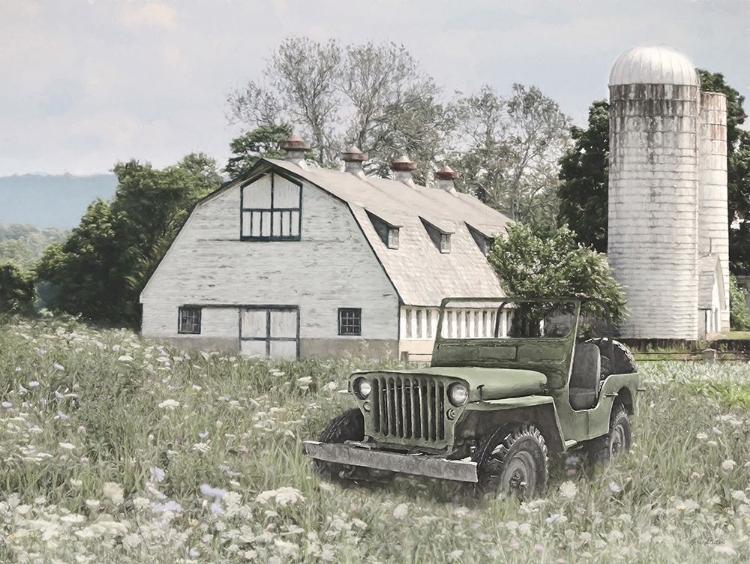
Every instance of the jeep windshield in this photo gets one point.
(469, 318)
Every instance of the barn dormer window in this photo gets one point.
(440, 236)
(271, 209)
(483, 241)
(388, 231)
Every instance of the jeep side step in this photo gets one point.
(419, 464)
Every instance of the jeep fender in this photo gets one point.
(483, 417)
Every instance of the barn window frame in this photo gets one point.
(276, 215)
(350, 321)
(189, 320)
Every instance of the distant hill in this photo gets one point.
(51, 200)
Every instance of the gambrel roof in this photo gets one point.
(421, 274)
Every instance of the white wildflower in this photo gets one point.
(739, 495)
(401, 511)
(157, 474)
(67, 446)
(286, 496)
(33, 384)
(76, 483)
(326, 487)
(701, 436)
(132, 540)
(197, 388)
(6, 404)
(716, 431)
(170, 505)
(93, 503)
(125, 358)
(73, 518)
(614, 488)
(141, 503)
(202, 447)
(169, 404)
(203, 435)
(58, 366)
(210, 491)
(113, 492)
(568, 489)
(728, 465)
(725, 549)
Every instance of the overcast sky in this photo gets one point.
(85, 83)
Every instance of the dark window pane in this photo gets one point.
(189, 320)
(350, 321)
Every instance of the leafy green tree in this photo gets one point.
(16, 290)
(100, 270)
(534, 265)
(739, 318)
(584, 169)
(250, 147)
(512, 148)
(584, 177)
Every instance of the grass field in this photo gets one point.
(114, 449)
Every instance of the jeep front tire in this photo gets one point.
(513, 460)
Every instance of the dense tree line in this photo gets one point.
(100, 270)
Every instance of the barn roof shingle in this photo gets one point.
(421, 274)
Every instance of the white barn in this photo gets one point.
(292, 261)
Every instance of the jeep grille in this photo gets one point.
(409, 407)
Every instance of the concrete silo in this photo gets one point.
(713, 238)
(668, 239)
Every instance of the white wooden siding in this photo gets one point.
(332, 266)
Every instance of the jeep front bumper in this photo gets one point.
(419, 464)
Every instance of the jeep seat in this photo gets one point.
(584, 379)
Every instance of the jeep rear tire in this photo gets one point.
(617, 441)
(513, 460)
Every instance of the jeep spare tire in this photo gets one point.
(623, 363)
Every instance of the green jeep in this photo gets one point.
(488, 410)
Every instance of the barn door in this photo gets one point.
(271, 332)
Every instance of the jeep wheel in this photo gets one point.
(513, 460)
(349, 426)
(617, 441)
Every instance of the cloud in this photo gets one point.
(150, 15)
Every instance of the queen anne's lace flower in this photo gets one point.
(568, 489)
(113, 492)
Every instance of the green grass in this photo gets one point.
(101, 414)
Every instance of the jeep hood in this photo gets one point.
(497, 382)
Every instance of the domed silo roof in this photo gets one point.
(654, 64)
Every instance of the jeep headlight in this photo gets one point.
(362, 388)
(458, 394)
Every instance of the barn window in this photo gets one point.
(386, 230)
(440, 236)
(189, 320)
(271, 209)
(350, 321)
